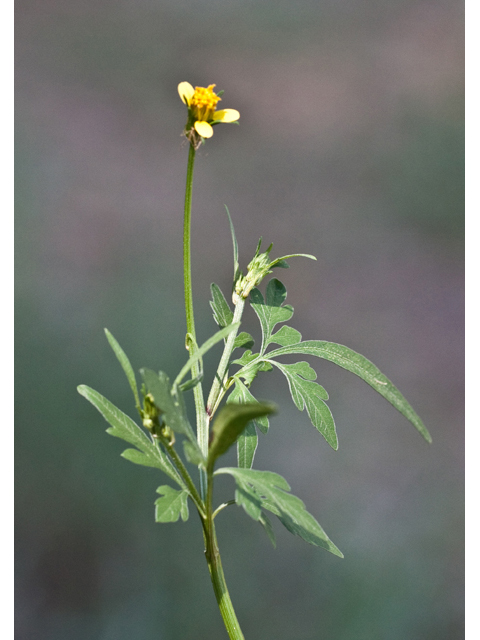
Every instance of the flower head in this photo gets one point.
(202, 111)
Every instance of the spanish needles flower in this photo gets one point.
(202, 114)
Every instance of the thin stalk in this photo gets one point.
(185, 477)
(217, 576)
(218, 387)
(206, 482)
(202, 422)
(222, 507)
(187, 261)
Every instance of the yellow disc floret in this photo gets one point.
(203, 102)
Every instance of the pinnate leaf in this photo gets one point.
(171, 505)
(248, 440)
(286, 336)
(271, 310)
(243, 341)
(241, 394)
(307, 393)
(122, 426)
(267, 525)
(247, 446)
(360, 366)
(268, 490)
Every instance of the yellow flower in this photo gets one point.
(202, 113)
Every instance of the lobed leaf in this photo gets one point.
(248, 440)
(243, 341)
(267, 525)
(269, 490)
(285, 336)
(171, 505)
(122, 426)
(247, 446)
(360, 366)
(306, 393)
(241, 394)
(271, 310)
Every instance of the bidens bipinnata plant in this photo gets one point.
(160, 402)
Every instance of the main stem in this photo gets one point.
(202, 421)
(206, 484)
(214, 561)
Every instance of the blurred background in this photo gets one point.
(350, 147)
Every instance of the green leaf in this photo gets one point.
(243, 341)
(247, 446)
(122, 426)
(248, 440)
(231, 420)
(222, 313)
(192, 383)
(286, 336)
(241, 394)
(137, 457)
(270, 491)
(247, 497)
(312, 395)
(236, 266)
(270, 311)
(360, 366)
(251, 364)
(126, 366)
(267, 525)
(246, 358)
(171, 505)
(282, 262)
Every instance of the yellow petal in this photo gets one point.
(203, 129)
(185, 91)
(226, 115)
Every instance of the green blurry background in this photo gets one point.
(351, 148)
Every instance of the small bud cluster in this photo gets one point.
(257, 269)
(152, 420)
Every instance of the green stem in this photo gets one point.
(214, 562)
(185, 476)
(218, 387)
(202, 421)
(187, 261)
(206, 483)
(222, 507)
